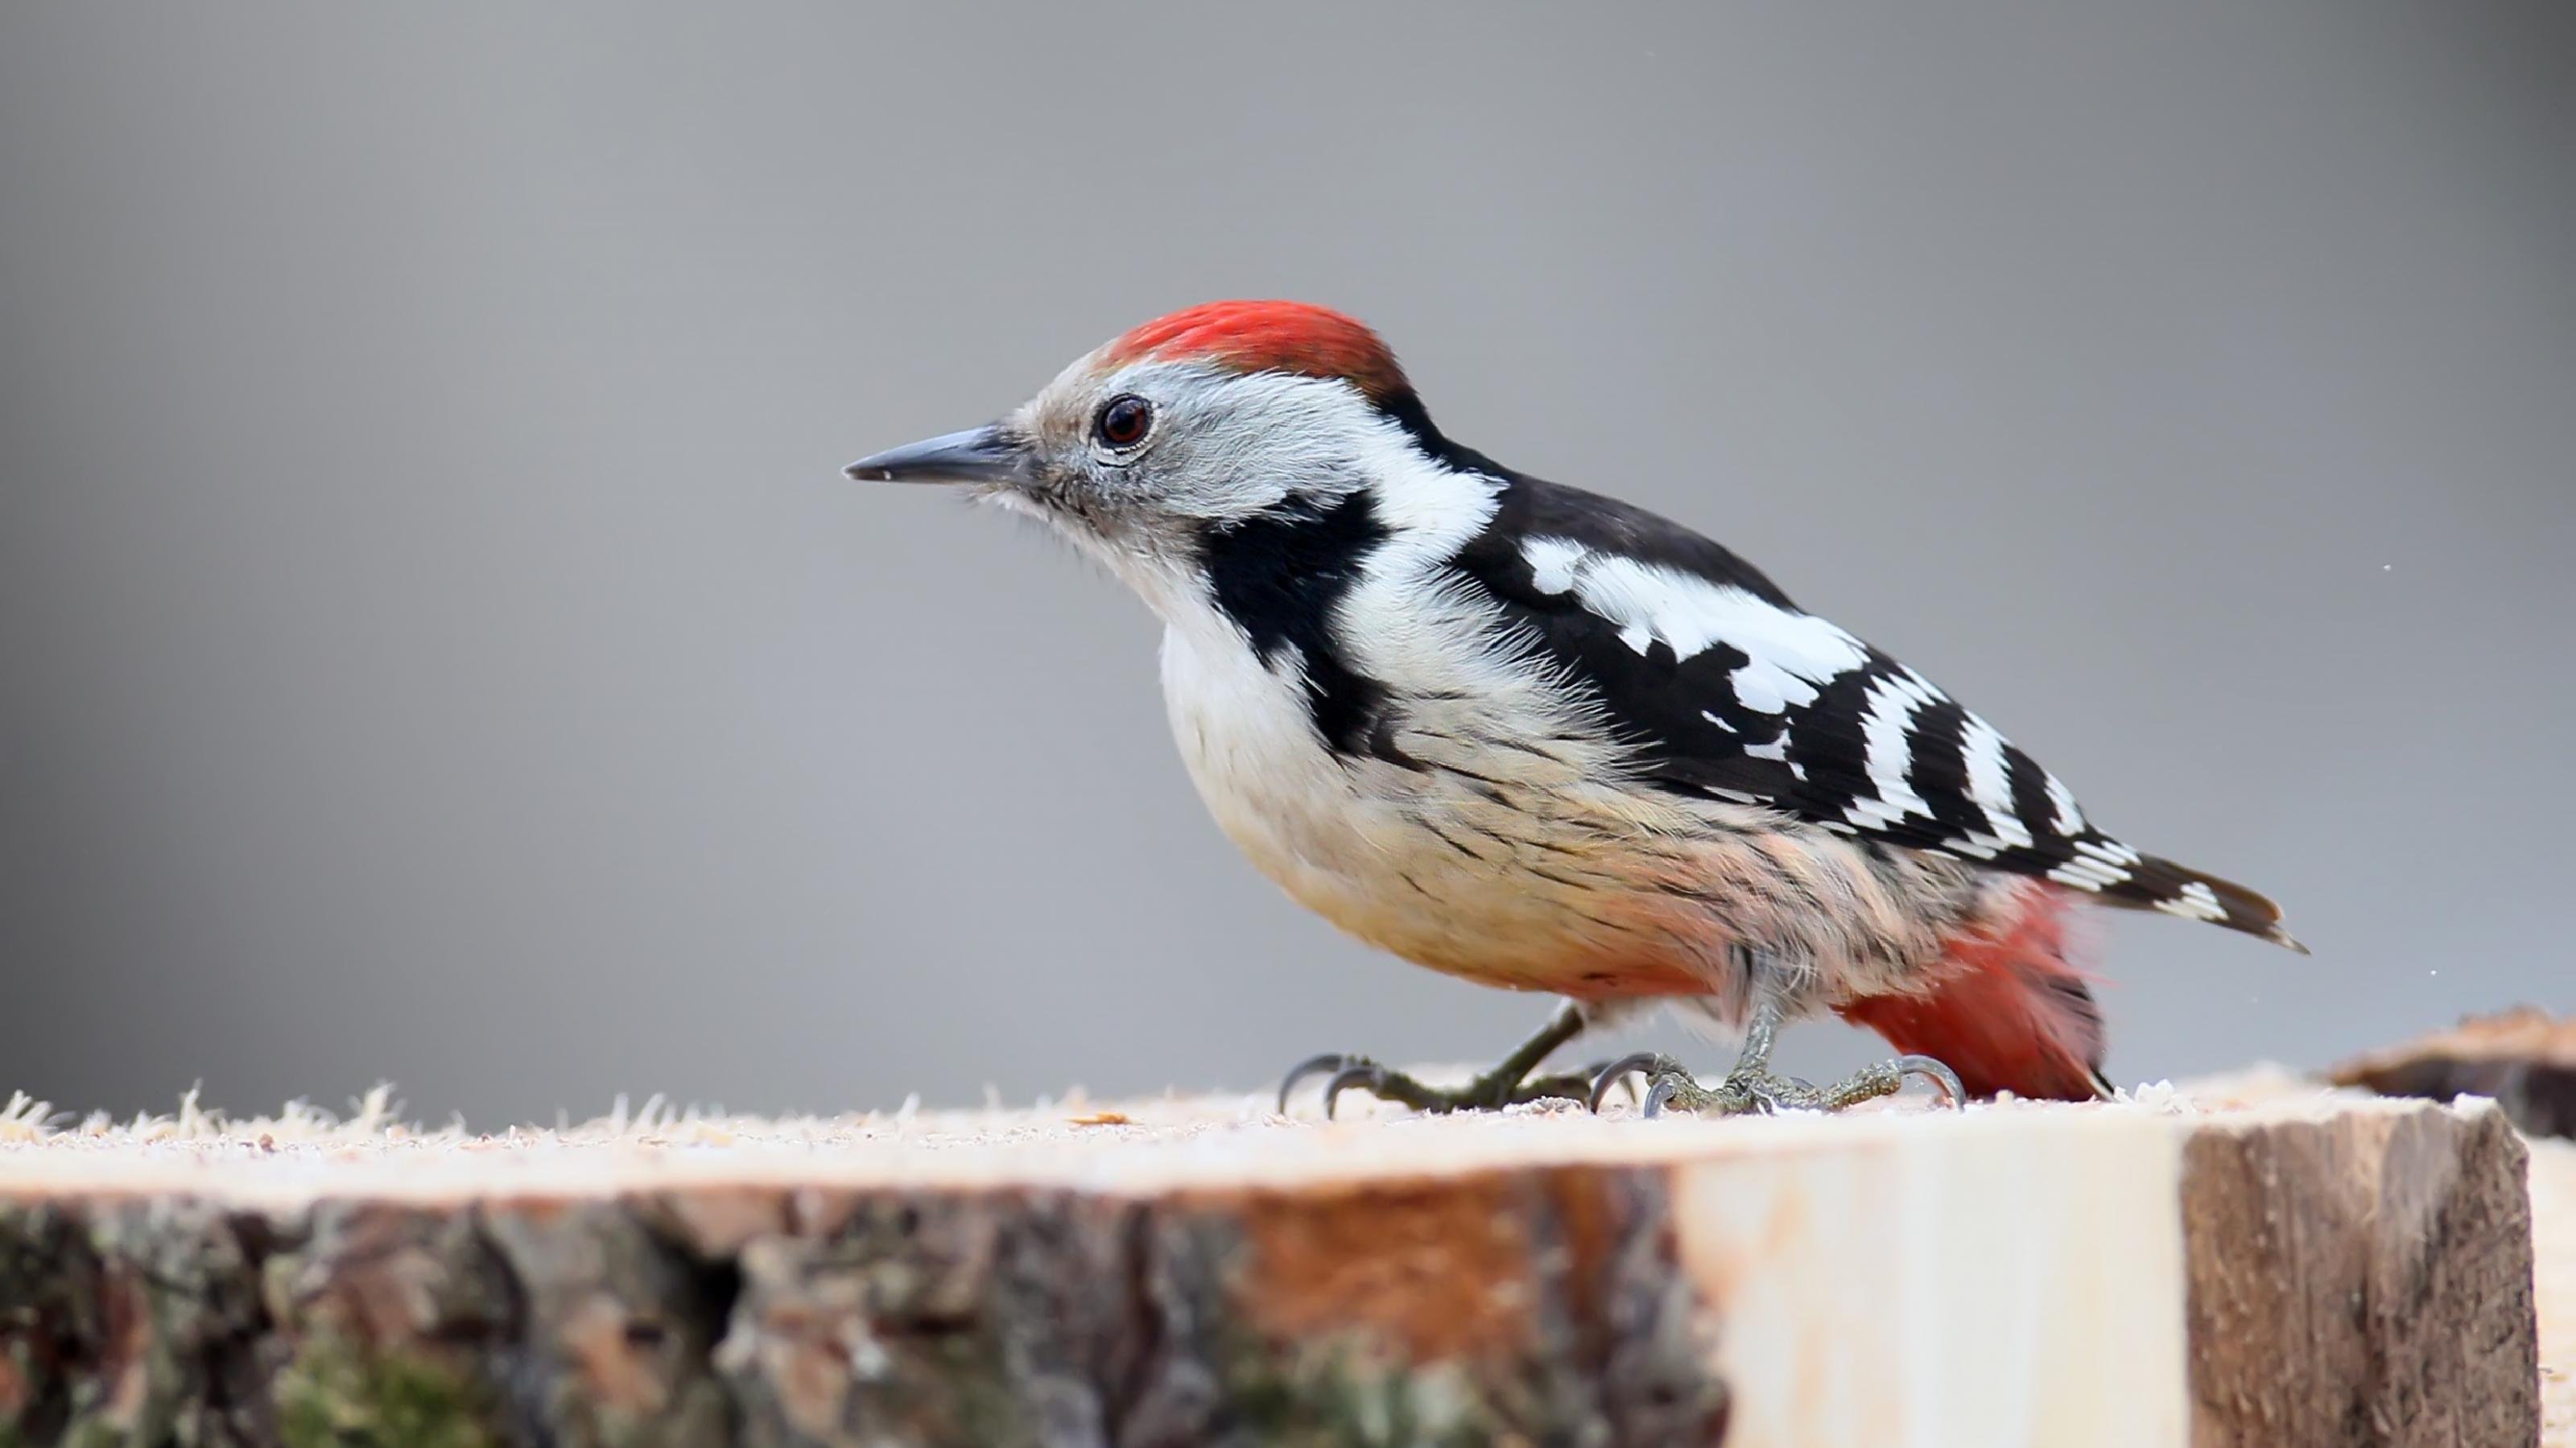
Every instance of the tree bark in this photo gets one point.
(2347, 1271)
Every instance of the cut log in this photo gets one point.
(2251, 1265)
(2524, 1058)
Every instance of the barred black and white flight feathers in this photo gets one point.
(1731, 692)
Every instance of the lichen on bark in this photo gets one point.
(336, 1394)
(1513, 1306)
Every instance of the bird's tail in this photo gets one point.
(2012, 1011)
(2160, 884)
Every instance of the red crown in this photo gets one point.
(1268, 336)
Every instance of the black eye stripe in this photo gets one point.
(1123, 420)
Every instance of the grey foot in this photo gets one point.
(1755, 1089)
(1489, 1092)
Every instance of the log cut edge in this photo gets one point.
(2362, 1279)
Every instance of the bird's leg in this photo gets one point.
(1509, 1083)
(1751, 1086)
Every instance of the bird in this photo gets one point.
(1540, 739)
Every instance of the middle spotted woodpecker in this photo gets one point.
(1540, 739)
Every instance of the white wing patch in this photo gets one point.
(1981, 748)
(1552, 563)
(1789, 655)
(1887, 741)
(2070, 820)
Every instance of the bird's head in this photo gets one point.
(1188, 426)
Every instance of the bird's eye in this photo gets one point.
(1124, 420)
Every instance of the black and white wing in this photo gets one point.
(1730, 692)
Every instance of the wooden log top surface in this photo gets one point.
(1134, 1147)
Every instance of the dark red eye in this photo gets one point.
(1124, 419)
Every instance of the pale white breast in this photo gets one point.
(1497, 870)
(1245, 736)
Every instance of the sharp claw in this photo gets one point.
(1936, 1073)
(1618, 1071)
(1311, 1066)
(1661, 1095)
(1363, 1074)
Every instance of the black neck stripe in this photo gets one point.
(1279, 575)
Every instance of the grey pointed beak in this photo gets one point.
(978, 455)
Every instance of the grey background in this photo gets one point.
(438, 644)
